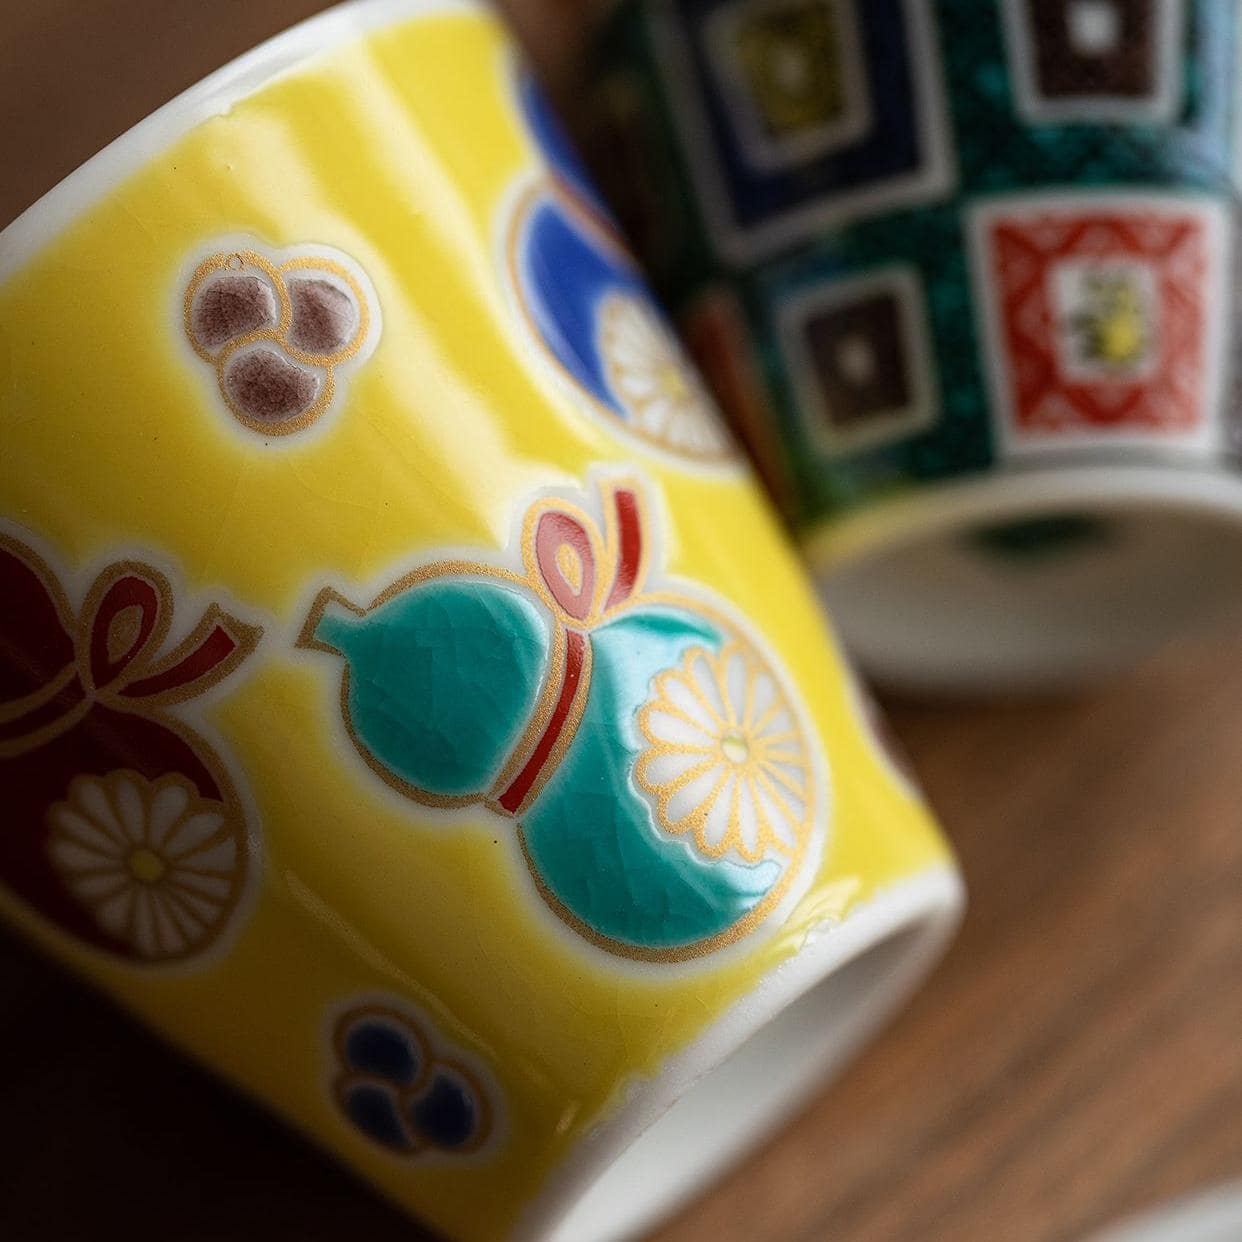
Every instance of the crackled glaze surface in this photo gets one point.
(366, 673)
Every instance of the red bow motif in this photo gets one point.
(87, 703)
(114, 656)
(587, 574)
(583, 576)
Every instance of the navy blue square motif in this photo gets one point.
(801, 114)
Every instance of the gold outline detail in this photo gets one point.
(541, 712)
(323, 366)
(77, 626)
(698, 403)
(606, 546)
(232, 828)
(751, 772)
(428, 1063)
(547, 188)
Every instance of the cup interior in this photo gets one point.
(730, 1109)
(1038, 584)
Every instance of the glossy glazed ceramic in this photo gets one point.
(1213, 1215)
(946, 264)
(408, 704)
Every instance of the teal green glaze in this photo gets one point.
(591, 834)
(443, 679)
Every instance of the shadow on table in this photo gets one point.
(105, 1131)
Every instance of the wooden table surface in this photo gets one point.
(1078, 1056)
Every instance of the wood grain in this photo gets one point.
(1079, 1054)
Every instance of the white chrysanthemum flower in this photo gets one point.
(156, 865)
(725, 757)
(655, 382)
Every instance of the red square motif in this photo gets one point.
(1102, 318)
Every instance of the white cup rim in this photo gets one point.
(927, 905)
(919, 914)
(1009, 494)
(212, 96)
(919, 617)
(1213, 1215)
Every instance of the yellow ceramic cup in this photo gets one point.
(407, 703)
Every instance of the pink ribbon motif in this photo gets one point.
(554, 530)
(557, 529)
(198, 658)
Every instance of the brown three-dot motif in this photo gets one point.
(276, 333)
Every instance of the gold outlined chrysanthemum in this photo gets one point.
(654, 381)
(156, 865)
(725, 757)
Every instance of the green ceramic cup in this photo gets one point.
(961, 272)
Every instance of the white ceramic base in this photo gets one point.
(922, 606)
(762, 1061)
(1215, 1216)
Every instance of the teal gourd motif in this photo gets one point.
(437, 648)
(590, 823)
(660, 775)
